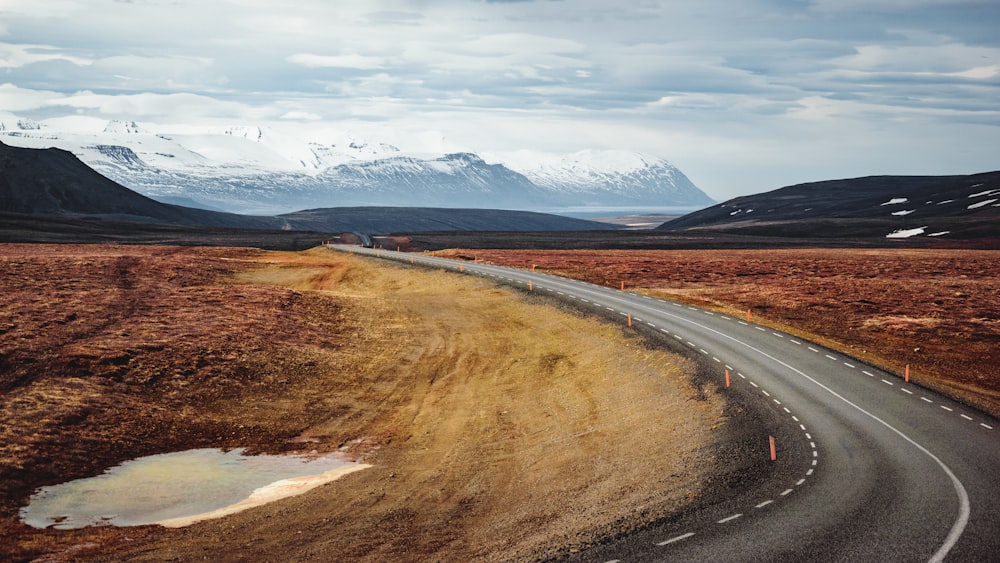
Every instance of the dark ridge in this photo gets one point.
(873, 206)
(427, 219)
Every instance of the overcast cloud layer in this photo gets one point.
(744, 96)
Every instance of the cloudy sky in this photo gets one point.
(743, 95)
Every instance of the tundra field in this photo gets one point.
(500, 425)
(936, 310)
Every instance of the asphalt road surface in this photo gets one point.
(890, 471)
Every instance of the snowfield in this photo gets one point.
(278, 169)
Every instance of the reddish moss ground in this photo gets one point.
(936, 310)
(114, 352)
(498, 428)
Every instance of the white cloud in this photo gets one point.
(177, 108)
(301, 116)
(12, 55)
(941, 58)
(351, 60)
(13, 98)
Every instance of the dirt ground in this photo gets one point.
(499, 427)
(935, 310)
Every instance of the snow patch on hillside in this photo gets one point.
(983, 203)
(985, 194)
(906, 233)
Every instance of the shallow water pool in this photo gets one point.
(161, 487)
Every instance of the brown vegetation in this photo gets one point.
(936, 310)
(498, 429)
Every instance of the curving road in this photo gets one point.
(889, 472)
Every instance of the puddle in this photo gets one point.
(179, 488)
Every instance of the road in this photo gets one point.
(890, 471)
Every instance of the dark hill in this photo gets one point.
(428, 219)
(944, 207)
(54, 182)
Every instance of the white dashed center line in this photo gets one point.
(677, 539)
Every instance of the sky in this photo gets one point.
(744, 96)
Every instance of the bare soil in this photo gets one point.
(937, 311)
(499, 428)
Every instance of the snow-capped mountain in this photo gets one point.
(117, 127)
(264, 170)
(596, 177)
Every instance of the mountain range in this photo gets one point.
(262, 171)
(53, 183)
(892, 207)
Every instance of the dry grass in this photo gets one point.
(499, 429)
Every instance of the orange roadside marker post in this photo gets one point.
(727, 378)
(774, 453)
